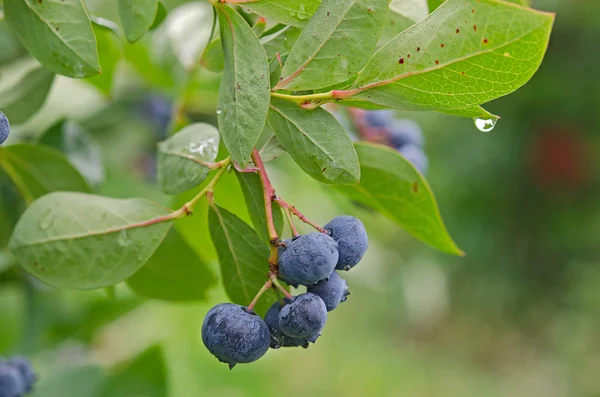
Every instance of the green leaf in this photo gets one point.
(391, 185)
(23, 90)
(174, 272)
(161, 14)
(80, 148)
(76, 240)
(81, 381)
(253, 196)
(271, 149)
(244, 93)
(280, 41)
(433, 4)
(136, 17)
(289, 12)
(212, 58)
(415, 10)
(38, 170)
(459, 57)
(110, 51)
(335, 44)
(182, 158)
(274, 71)
(57, 33)
(243, 257)
(316, 141)
(146, 376)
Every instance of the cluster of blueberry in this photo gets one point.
(235, 334)
(4, 128)
(404, 135)
(16, 377)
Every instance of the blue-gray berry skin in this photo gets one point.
(308, 259)
(4, 128)
(278, 338)
(304, 317)
(333, 291)
(416, 156)
(351, 236)
(25, 369)
(405, 132)
(12, 383)
(379, 118)
(234, 334)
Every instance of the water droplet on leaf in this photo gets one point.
(219, 110)
(485, 125)
(301, 14)
(123, 238)
(47, 219)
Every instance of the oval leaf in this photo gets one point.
(68, 46)
(316, 141)
(182, 158)
(244, 93)
(243, 258)
(280, 41)
(75, 240)
(289, 12)
(174, 272)
(37, 170)
(110, 49)
(137, 16)
(391, 185)
(335, 44)
(254, 198)
(23, 90)
(459, 57)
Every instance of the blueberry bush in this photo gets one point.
(316, 80)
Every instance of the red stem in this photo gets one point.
(269, 195)
(300, 216)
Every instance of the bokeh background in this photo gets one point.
(518, 316)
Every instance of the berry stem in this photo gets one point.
(280, 287)
(300, 215)
(290, 220)
(264, 288)
(269, 194)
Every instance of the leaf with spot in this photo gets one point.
(289, 12)
(244, 93)
(183, 158)
(335, 44)
(57, 33)
(38, 170)
(175, 272)
(392, 186)
(76, 240)
(23, 90)
(243, 257)
(316, 141)
(137, 16)
(457, 58)
(254, 198)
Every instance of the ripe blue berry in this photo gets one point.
(379, 118)
(333, 291)
(4, 128)
(25, 369)
(234, 334)
(308, 259)
(11, 381)
(304, 317)
(351, 236)
(416, 156)
(405, 132)
(278, 338)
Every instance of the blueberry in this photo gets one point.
(12, 383)
(405, 132)
(4, 128)
(26, 370)
(308, 259)
(234, 334)
(303, 317)
(416, 156)
(379, 118)
(333, 291)
(352, 240)
(278, 338)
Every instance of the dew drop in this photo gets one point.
(219, 110)
(485, 125)
(301, 14)
(47, 219)
(123, 240)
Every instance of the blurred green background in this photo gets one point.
(518, 316)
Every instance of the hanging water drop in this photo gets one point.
(485, 125)
(123, 238)
(219, 110)
(301, 14)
